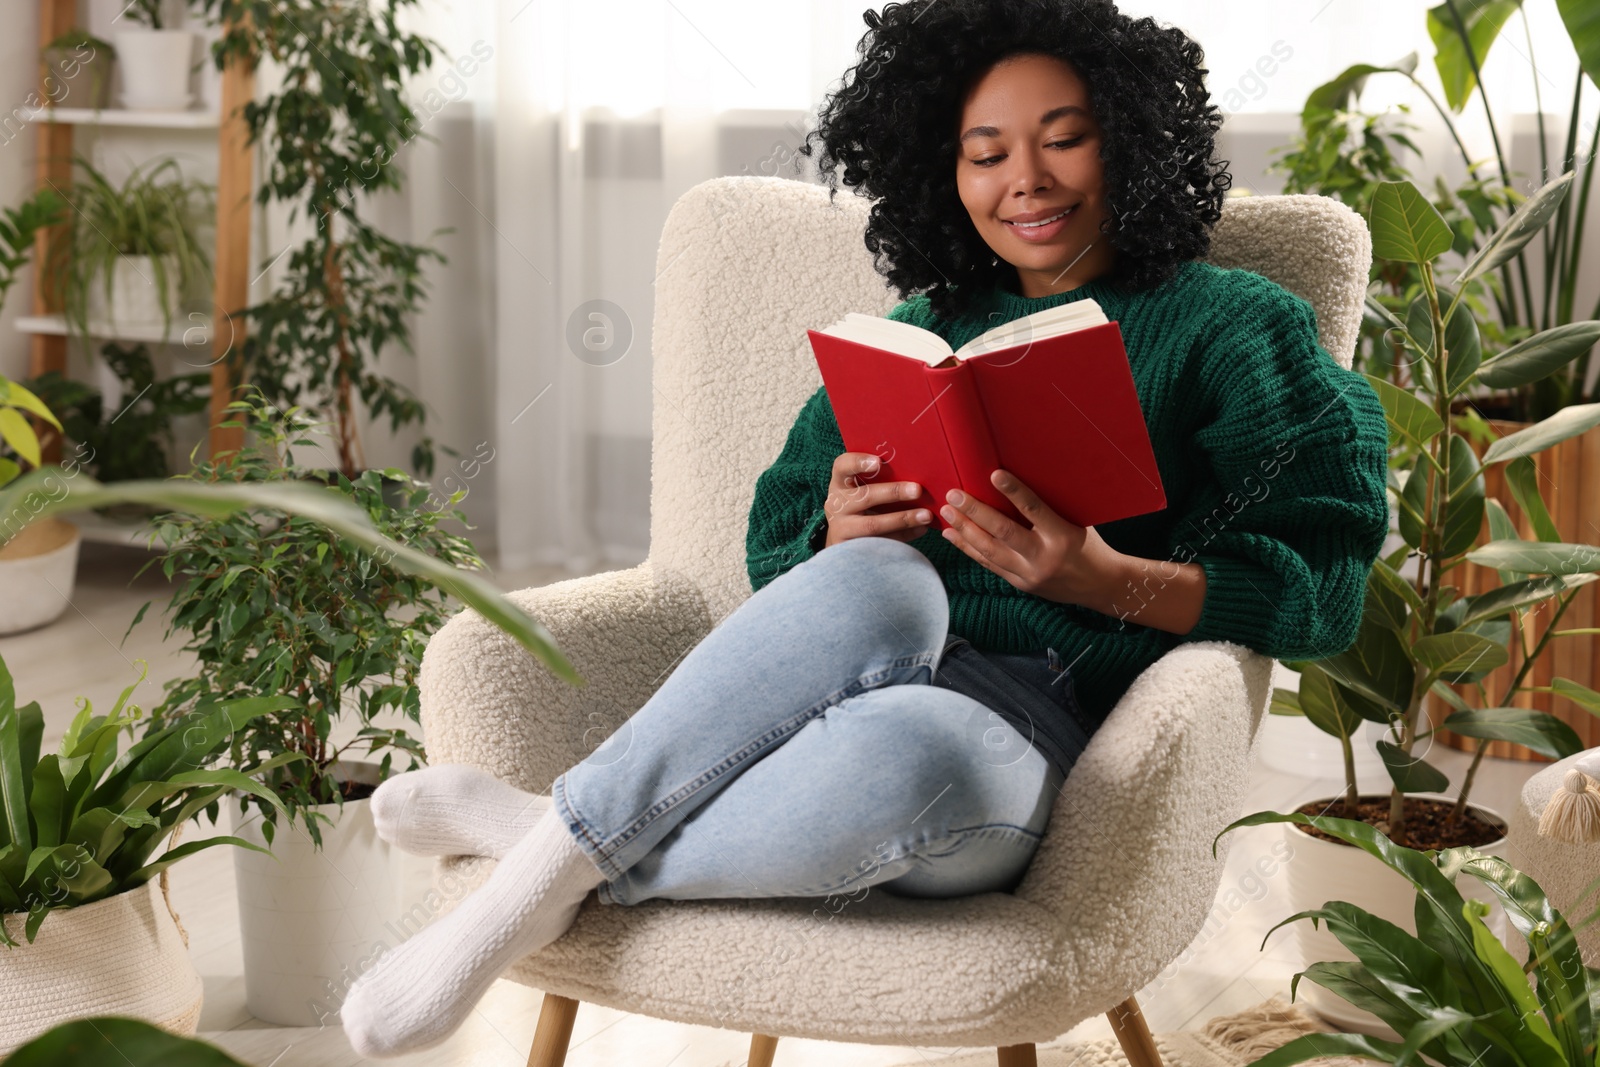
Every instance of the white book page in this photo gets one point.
(900, 337)
(1051, 322)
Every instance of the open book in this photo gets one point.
(1048, 397)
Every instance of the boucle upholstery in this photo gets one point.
(1124, 878)
(1564, 871)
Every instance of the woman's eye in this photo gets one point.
(1052, 144)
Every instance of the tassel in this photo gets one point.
(1573, 814)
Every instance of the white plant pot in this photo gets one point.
(123, 955)
(38, 568)
(1328, 870)
(313, 920)
(155, 69)
(135, 298)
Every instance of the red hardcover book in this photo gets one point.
(1048, 397)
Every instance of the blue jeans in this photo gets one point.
(800, 750)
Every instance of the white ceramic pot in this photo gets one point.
(312, 920)
(155, 69)
(38, 568)
(123, 955)
(1332, 870)
(135, 297)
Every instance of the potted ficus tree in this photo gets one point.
(1419, 635)
(269, 603)
(1446, 988)
(85, 924)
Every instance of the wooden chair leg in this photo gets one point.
(762, 1049)
(554, 1032)
(1018, 1056)
(1134, 1034)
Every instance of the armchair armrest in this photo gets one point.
(1128, 846)
(486, 701)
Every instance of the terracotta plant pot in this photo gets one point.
(38, 568)
(1324, 870)
(1569, 478)
(123, 955)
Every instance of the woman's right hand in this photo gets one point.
(852, 505)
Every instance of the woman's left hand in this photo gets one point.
(1056, 559)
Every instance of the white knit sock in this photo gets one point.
(453, 809)
(419, 992)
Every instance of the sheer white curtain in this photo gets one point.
(561, 133)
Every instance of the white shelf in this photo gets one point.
(182, 331)
(118, 116)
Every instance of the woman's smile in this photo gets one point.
(1044, 230)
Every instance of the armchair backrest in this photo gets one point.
(747, 264)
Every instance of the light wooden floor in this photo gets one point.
(84, 654)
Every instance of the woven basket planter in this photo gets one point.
(124, 955)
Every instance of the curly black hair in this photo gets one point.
(892, 124)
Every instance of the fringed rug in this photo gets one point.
(1224, 1041)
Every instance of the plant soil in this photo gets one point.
(1425, 822)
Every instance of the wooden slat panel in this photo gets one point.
(231, 286)
(52, 166)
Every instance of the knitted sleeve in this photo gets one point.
(787, 524)
(1296, 511)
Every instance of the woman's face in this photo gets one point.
(1030, 148)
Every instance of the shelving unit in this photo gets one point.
(230, 261)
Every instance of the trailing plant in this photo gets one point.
(155, 212)
(328, 136)
(131, 442)
(271, 604)
(80, 824)
(1419, 634)
(1452, 991)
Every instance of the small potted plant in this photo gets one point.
(155, 58)
(77, 70)
(85, 926)
(271, 604)
(1420, 635)
(133, 250)
(1449, 989)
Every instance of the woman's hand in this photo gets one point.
(1056, 559)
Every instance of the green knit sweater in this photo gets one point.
(1273, 458)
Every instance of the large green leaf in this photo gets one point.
(1342, 91)
(1582, 19)
(1375, 666)
(1580, 695)
(1538, 557)
(1458, 652)
(1501, 528)
(171, 856)
(1539, 356)
(115, 1039)
(1501, 600)
(1464, 515)
(1405, 225)
(1409, 417)
(1462, 345)
(1352, 981)
(1568, 422)
(1522, 475)
(1530, 1023)
(1519, 229)
(318, 504)
(1482, 20)
(1410, 774)
(1322, 706)
(1538, 730)
(1316, 1046)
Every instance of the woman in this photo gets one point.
(1023, 153)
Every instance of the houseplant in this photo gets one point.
(104, 1039)
(81, 65)
(1418, 634)
(78, 884)
(37, 571)
(1454, 993)
(329, 137)
(156, 59)
(133, 250)
(272, 605)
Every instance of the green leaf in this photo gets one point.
(1316, 1046)
(173, 855)
(1580, 695)
(1458, 652)
(1538, 730)
(1464, 514)
(1411, 775)
(1323, 707)
(1582, 19)
(1523, 478)
(1518, 230)
(1503, 599)
(1568, 422)
(1489, 949)
(1405, 226)
(1539, 356)
(116, 1039)
(1375, 666)
(1501, 528)
(1284, 702)
(1483, 20)
(1409, 417)
(16, 432)
(1538, 557)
